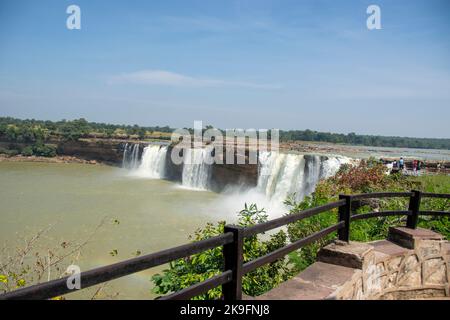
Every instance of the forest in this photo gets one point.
(365, 140)
(32, 131)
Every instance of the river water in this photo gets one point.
(152, 214)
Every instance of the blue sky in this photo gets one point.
(233, 64)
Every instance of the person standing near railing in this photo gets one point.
(402, 164)
(395, 164)
(419, 167)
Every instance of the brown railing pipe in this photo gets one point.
(290, 218)
(92, 277)
(414, 207)
(233, 254)
(345, 213)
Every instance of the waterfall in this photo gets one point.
(312, 174)
(130, 156)
(124, 157)
(153, 162)
(135, 156)
(332, 165)
(197, 168)
(281, 175)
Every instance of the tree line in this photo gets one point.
(365, 140)
(31, 130)
(39, 131)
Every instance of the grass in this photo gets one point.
(434, 183)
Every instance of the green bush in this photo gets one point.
(9, 152)
(184, 273)
(44, 150)
(27, 151)
(366, 177)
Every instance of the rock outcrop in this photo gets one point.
(107, 151)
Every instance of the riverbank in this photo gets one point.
(57, 159)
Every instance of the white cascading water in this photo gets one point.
(281, 175)
(332, 165)
(124, 157)
(197, 168)
(312, 174)
(153, 162)
(130, 156)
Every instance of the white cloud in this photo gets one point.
(167, 78)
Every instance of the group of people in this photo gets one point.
(399, 165)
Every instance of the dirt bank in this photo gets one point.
(57, 159)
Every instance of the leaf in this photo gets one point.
(20, 283)
(3, 279)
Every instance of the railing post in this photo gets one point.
(233, 255)
(414, 207)
(345, 212)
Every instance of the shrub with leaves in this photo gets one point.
(36, 262)
(44, 150)
(366, 177)
(186, 272)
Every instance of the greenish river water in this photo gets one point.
(153, 214)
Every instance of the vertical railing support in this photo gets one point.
(345, 212)
(414, 207)
(233, 255)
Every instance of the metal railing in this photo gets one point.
(232, 241)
